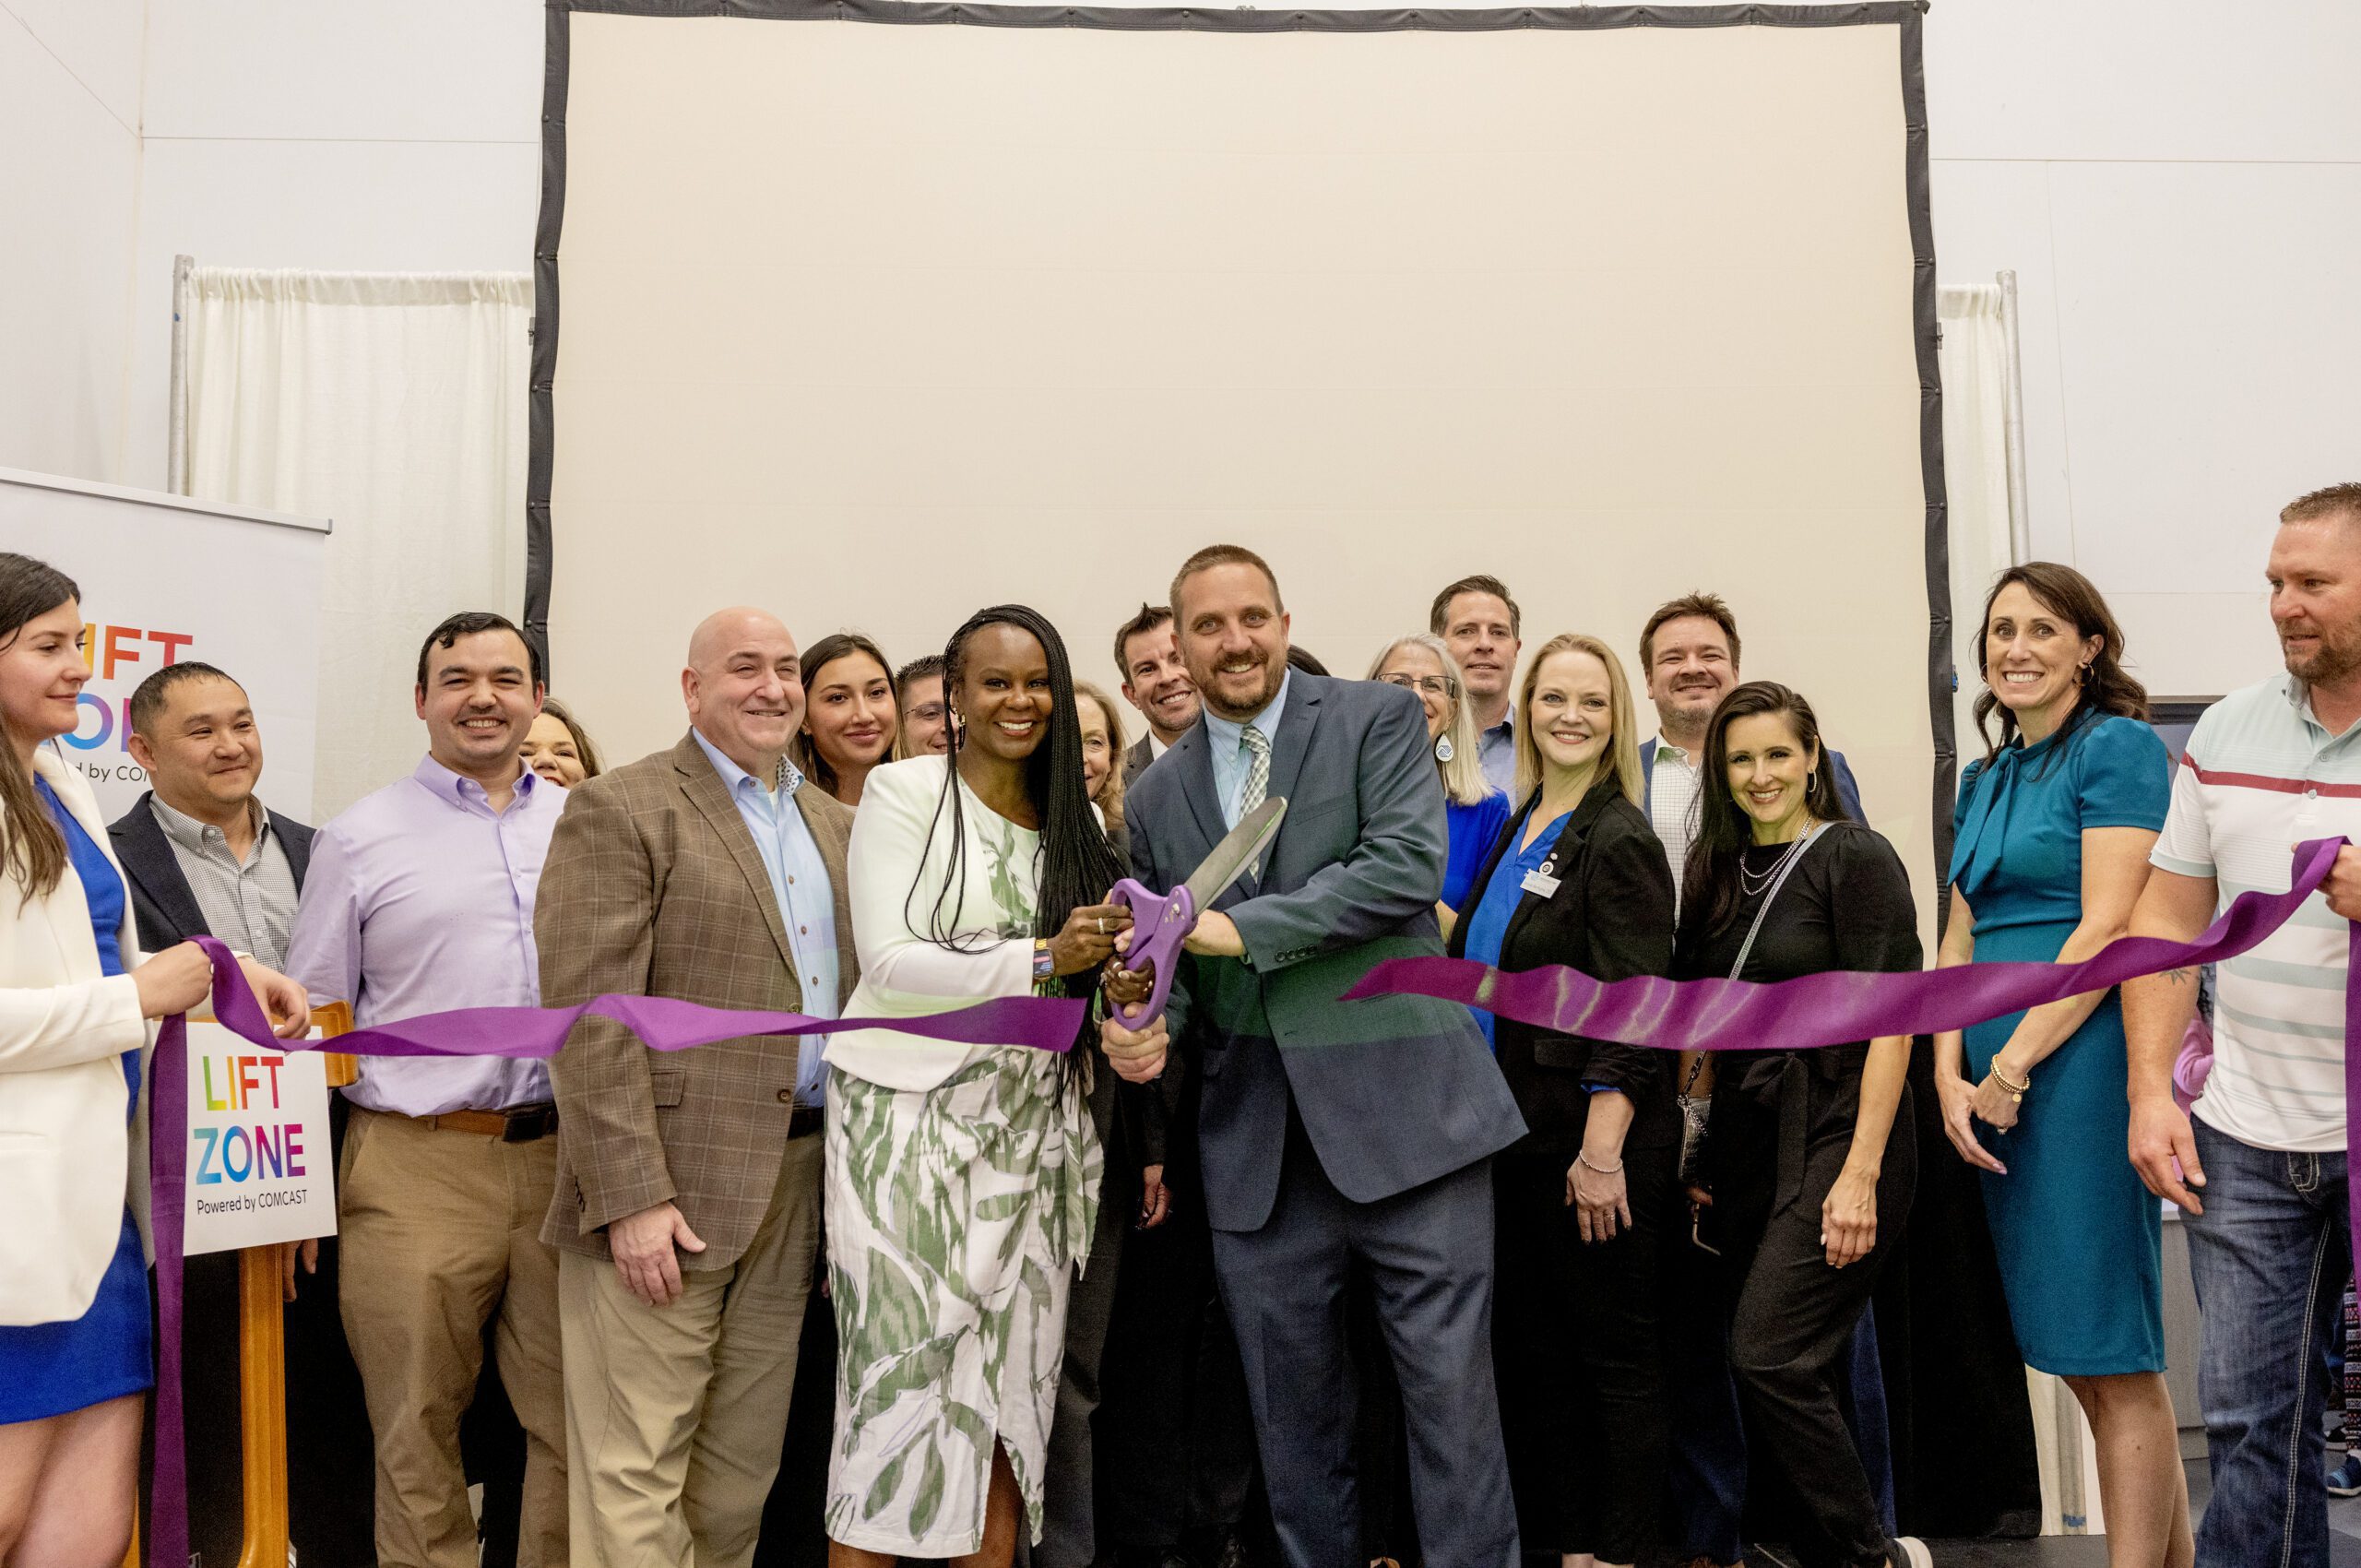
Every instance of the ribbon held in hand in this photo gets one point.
(663, 1023)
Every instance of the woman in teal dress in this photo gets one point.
(2050, 850)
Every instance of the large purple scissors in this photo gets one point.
(1160, 922)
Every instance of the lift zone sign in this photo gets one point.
(259, 1165)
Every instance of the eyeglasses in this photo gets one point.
(1433, 685)
(928, 712)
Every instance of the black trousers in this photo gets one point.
(1069, 1502)
(1175, 1444)
(1795, 1315)
(1578, 1352)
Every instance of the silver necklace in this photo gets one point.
(1752, 884)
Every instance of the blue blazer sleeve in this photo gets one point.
(1847, 792)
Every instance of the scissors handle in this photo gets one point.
(1160, 922)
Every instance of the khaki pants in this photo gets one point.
(439, 1231)
(677, 1413)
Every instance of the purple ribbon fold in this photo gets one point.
(663, 1023)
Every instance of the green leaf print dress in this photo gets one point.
(955, 1211)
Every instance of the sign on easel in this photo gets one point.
(260, 1167)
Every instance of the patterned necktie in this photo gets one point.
(1258, 771)
(1258, 781)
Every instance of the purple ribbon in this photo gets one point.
(1845, 1006)
(663, 1023)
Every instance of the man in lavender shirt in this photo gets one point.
(420, 899)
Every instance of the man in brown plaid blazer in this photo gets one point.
(687, 1208)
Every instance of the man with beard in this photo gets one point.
(1156, 682)
(1293, 1086)
(1481, 624)
(2261, 1168)
(1689, 657)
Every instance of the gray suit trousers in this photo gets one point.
(1429, 1255)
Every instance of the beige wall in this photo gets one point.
(874, 326)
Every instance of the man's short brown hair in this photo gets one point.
(1439, 613)
(1214, 555)
(1708, 605)
(1150, 617)
(2335, 500)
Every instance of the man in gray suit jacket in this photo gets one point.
(1329, 1131)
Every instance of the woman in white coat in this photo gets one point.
(76, 999)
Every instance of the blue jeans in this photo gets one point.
(2270, 1257)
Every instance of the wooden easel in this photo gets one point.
(262, 1368)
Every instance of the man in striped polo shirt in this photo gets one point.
(2262, 1171)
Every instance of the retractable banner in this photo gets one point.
(165, 580)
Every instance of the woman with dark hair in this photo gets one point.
(963, 1180)
(2050, 844)
(1808, 1161)
(557, 746)
(1581, 1201)
(76, 998)
(851, 719)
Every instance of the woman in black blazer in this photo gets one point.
(1583, 1200)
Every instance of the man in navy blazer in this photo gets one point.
(1328, 1131)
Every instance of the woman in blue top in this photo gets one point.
(2050, 851)
(1473, 811)
(74, 1001)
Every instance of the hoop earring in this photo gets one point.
(1812, 785)
(2086, 674)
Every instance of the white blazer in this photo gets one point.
(68, 1163)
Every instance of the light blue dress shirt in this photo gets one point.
(806, 903)
(1496, 751)
(1227, 740)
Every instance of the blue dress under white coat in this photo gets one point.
(2079, 1238)
(49, 1369)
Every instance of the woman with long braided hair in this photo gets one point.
(963, 1180)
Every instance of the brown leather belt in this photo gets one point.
(805, 1120)
(518, 1125)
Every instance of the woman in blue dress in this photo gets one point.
(1474, 812)
(2050, 850)
(74, 1001)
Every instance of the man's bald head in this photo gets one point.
(743, 686)
(718, 632)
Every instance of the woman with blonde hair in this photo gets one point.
(1102, 760)
(1473, 810)
(1578, 877)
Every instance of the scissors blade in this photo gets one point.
(1240, 848)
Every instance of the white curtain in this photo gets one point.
(396, 407)
(1975, 363)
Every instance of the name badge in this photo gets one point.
(1541, 882)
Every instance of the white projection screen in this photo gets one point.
(873, 314)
